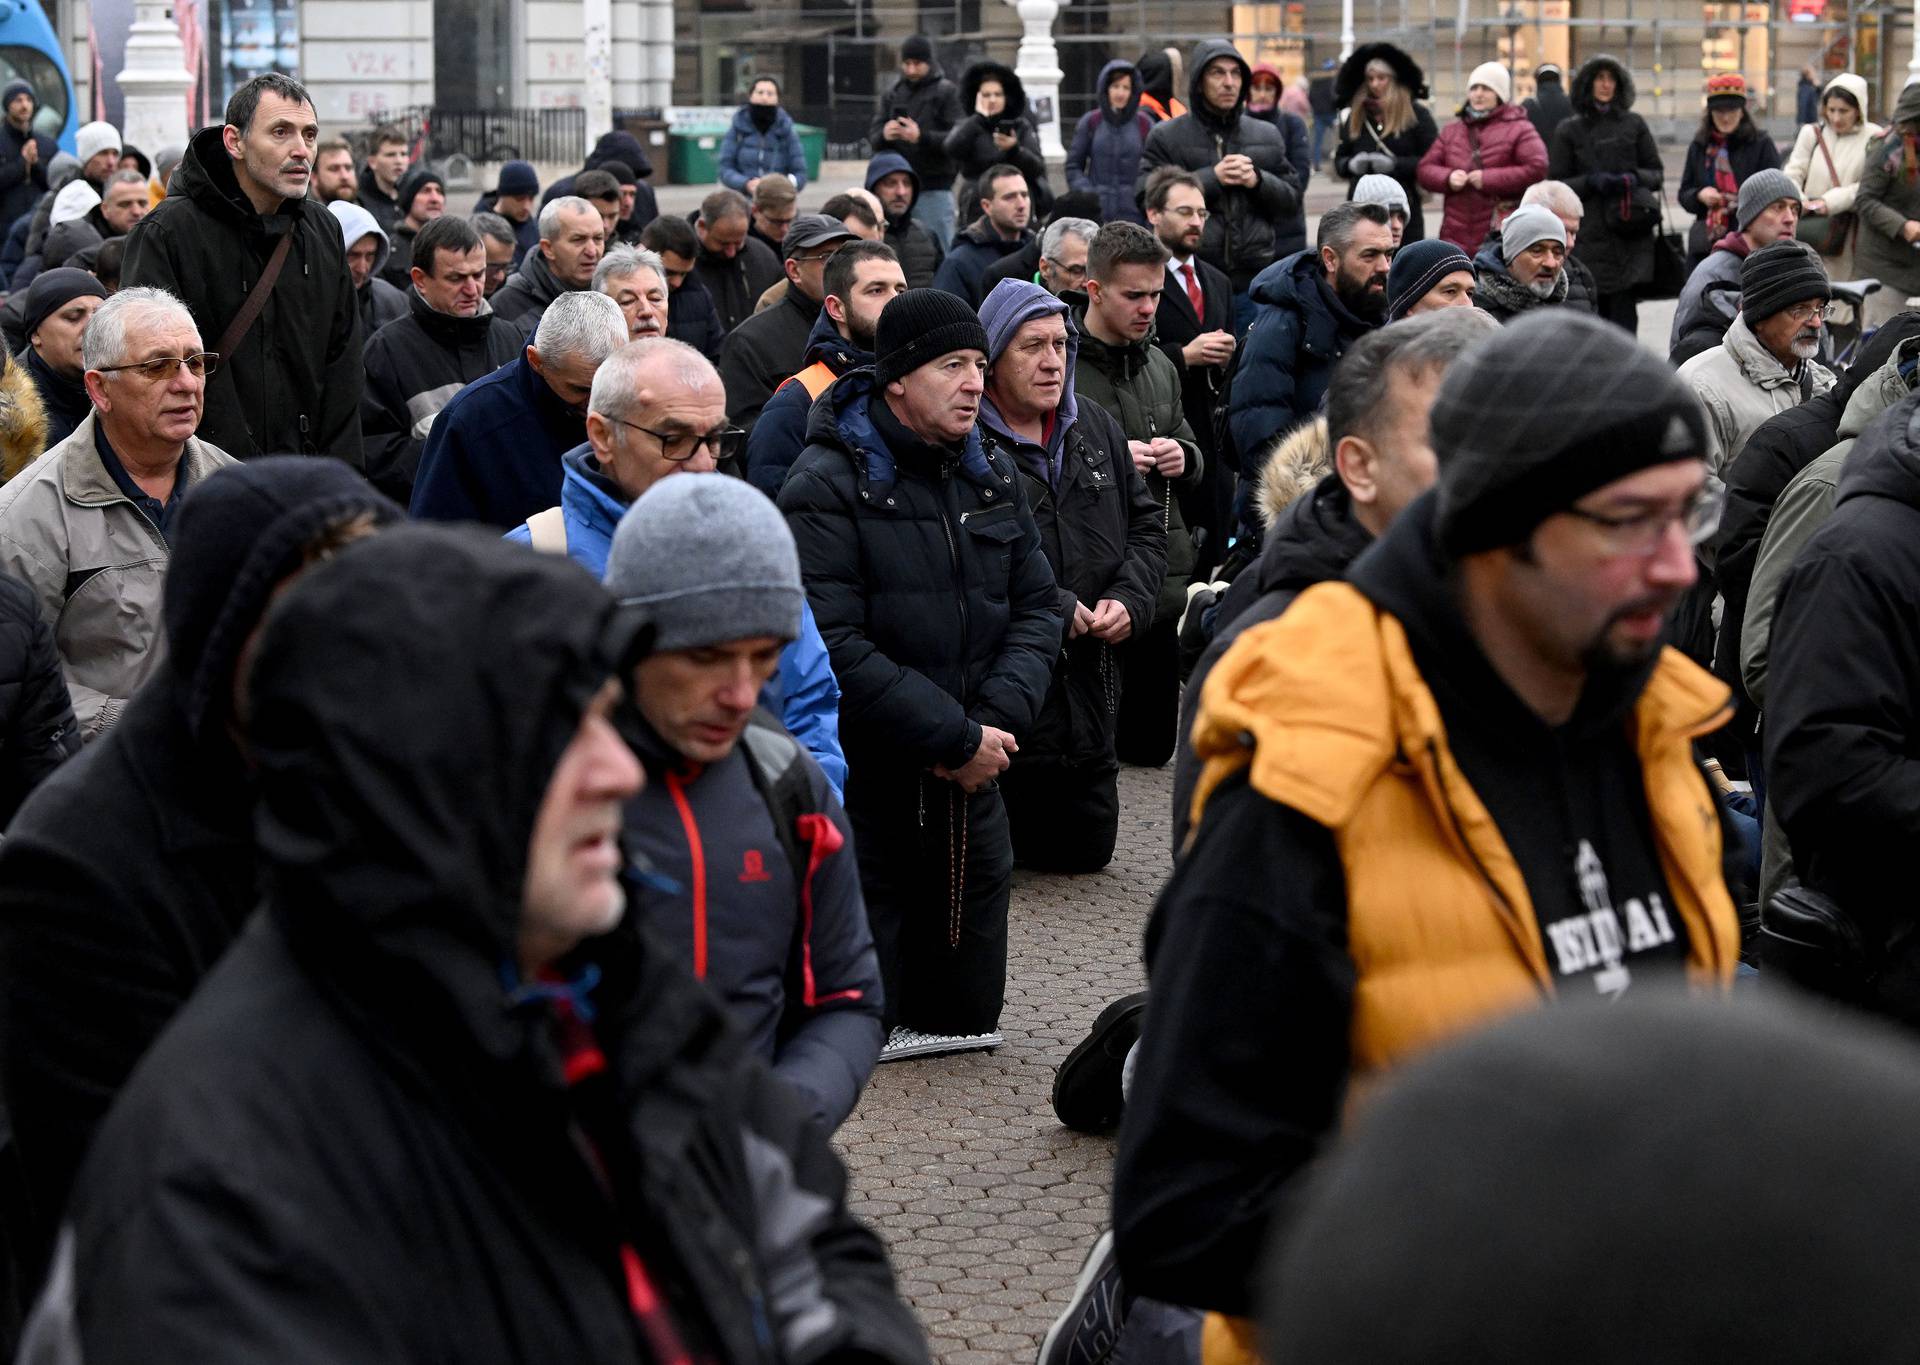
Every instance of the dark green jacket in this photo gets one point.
(1141, 388)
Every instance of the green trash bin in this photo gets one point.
(813, 142)
(693, 155)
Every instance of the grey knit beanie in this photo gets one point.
(1762, 188)
(706, 559)
(1528, 224)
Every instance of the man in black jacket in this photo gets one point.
(1104, 540)
(1241, 164)
(691, 316)
(860, 281)
(1006, 208)
(379, 188)
(735, 268)
(770, 345)
(96, 953)
(59, 304)
(292, 384)
(913, 121)
(449, 338)
(892, 180)
(423, 198)
(1548, 106)
(24, 154)
(932, 591)
(454, 985)
(572, 239)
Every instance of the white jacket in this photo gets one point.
(1807, 168)
(1741, 385)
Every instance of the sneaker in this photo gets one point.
(905, 1042)
(1087, 1095)
(1086, 1333)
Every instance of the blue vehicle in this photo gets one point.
(30, 52)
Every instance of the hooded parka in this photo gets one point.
(1506, 151)
(971, 148)
(1241, 237)
(1406, 147)
(1105, 156)
(1594, 152)
(920, 255)
(1741, 384)
(367, 1137)
(294, 385)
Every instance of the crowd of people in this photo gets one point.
(414, 944)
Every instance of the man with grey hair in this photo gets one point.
(262, 269)
(124, 201)
(572, 240)
(1063, 254)
(1767, 211)
(1557, 196)
(493, 453)
(636, 279)
(658, 408)
(87, 525)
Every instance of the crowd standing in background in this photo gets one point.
(508, 717)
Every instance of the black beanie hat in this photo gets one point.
(919, 326)
(1555, 406)
(1663, 1179)
(415, 181)
(53, 290)
(918, 48)
(239, 535)
(1779, 275)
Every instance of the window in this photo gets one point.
(37, 69)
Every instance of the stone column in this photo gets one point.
(597, 89)
(1037, 64)
(155, 82)
(656, 43)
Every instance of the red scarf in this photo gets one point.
(1719, 219)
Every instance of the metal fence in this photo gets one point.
(487, 135)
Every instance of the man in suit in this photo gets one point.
(1199, 340)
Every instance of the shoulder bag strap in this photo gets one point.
(1820, 141)
(256, 300)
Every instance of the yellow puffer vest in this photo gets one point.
(1440, 927)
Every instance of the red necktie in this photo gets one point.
(1193, 293)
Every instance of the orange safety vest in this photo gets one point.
(815, 379)
(1440, 927)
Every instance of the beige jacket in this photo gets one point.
(1808, 169)
(1741, 385)
(97, 566)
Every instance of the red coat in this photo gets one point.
(1510, 155)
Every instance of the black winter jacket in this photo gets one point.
(357, 1141)
(379, 304)
(762, 351)
(294, 387)
(964, 272)
(384, 207)
(414, 367)
(736, 283)
(1755, 151)
(781, 433)
(1406, 147)
(920, 256)
(1103, 537)
(971, 148)
(37, 728)
(1241, 236)
(927, 577)
(1591, 151)
(1842, 732)
(934, 104)
(1547, 107)
(21, 184)
(65, 400)
(692, 318)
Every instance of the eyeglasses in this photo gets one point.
(1641, 533)
(681, 446)
(1808, 311)
(1072, 272)
(1189, 211)
(162, 368)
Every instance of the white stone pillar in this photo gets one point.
(656, 46)
(1037, 64)
(1346, 28)
(1913, 67)
(155, 82)
(597, 89)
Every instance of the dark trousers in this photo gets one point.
(1064, 817)
(1621, 309)
(936, 866)
(1150, 695)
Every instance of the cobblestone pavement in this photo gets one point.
(988, 1204)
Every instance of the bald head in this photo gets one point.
(653, 401)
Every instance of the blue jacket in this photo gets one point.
(493, 453)
(803, 692)
(1299, 332)
(781, 433)
(746, 153)
(1105, 156)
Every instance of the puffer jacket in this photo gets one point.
(617, 1168)
(96, 565)
(971, 148)
(1406, 147)
(37, 728)
(926, 573)
(1140, 388)
(1241, 237)
(1741, 385)
(1506, 151)
(746, 153)
(1591, 151)
(934, 104)
(1887, 200)
(1299, 333)
(920, 255)
(294, 386)
(1105, 156)
(781, 433)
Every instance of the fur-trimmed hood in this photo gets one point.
(1582, 93)
(23, 420)
(1353, 72)
(985, 71)
(1299, 461)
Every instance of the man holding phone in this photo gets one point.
(918, 112)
